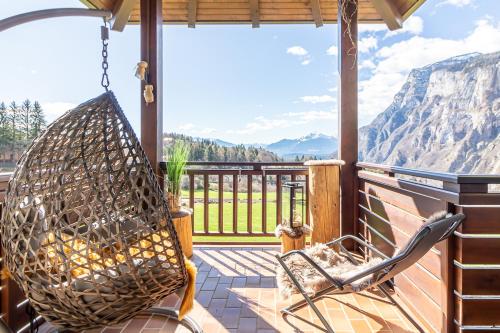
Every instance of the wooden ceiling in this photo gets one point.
(255, 12)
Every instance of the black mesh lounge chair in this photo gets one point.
(379, 275)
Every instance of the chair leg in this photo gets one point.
(289, 310)
(403, 311)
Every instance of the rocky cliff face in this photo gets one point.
(446, 117)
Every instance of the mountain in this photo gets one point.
(446, 117)
(314, 144)
(223, 143)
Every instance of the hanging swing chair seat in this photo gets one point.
(86, 230)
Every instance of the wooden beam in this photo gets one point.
(316, 13)
(412, 9)
(192, 9)
(389, 13)
(255, 13)
(152, 113)
(348, 112)
(121, 14)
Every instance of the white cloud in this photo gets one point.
(207, 130)
(300, 52)
(457, 3)
(262, 123)
(297, 51)
(367, 64)
(332, 50)
(309, 116)
(54, 110)
(285, 120)
(396, 61)
(366, 44)
(195, 130)
(413, 25)
(367, 28)
(318, 99)
(186, 127)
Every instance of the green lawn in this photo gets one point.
(213, 216)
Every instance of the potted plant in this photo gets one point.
(176, 165)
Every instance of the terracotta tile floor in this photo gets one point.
(236, 292)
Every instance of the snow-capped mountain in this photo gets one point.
(446, 117)
(314, 144)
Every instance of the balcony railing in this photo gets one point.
(237, 199)
(455, 286)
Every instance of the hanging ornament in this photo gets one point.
(140, 70)
(149, 97)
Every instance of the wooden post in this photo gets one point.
(348, 112)
(324, 200)
(152, 113)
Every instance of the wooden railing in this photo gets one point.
(239, 199)
(456, 286)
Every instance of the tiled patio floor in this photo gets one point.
(236, 292)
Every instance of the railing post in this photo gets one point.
(324, 197)
(206, 199)
(264, 202)
(279, 198)
(249, 203)
(348, 111)
(191, 198)
(235, 203)
(221, 203)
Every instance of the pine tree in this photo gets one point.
(211, 154)
(24, 119)
(4, 124)
(37, 120)
(13, 119)
(4, 129)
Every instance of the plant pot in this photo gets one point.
(174, 202)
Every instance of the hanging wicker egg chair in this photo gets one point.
(86, 231)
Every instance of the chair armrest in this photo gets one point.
(359, 241)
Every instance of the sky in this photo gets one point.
(233, 82)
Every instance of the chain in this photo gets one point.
(105, 65)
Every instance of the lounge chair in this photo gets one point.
(436, 229)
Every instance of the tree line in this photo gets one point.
(211, 151)
(19, 125)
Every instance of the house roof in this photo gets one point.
(255, 12)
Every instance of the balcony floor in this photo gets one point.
(236, 292)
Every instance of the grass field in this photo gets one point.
(213, 218)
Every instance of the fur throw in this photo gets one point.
(336, 265)
(292, 232)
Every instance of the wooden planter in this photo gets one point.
(288, 243)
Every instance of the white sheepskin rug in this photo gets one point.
(336, 265)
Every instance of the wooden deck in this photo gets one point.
(237, 293)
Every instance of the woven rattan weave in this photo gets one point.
(86, 231)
